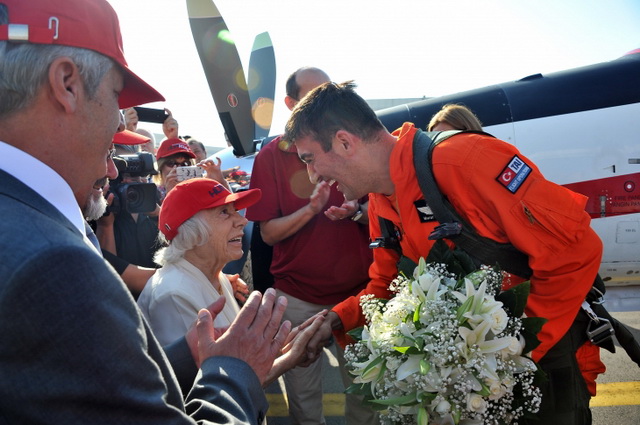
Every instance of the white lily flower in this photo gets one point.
(443, 407)
(494, 345)
(489, 305)
(425, 281)
(459, 296)
(409, 367)
(368, 376)
(524, 364)
(474, 336)
(418, 292)
(445, 420)
(478, 297)
(490, 367)
(407, 329)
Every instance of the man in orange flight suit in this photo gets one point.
(494, 188)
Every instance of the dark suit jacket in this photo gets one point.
(73, 346)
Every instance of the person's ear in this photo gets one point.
(65, 83)
(290, 102)
(344, 143)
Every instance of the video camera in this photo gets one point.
(134, 197)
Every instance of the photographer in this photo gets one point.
(171, 154)
(174, 153)
(105, 196)
(134, 210)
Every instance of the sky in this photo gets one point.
(392, 49)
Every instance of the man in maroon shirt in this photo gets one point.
(320, 250)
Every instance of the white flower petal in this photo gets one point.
(409, 367)
(494, 345)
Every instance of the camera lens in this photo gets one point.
(137, 197)
(134, 197)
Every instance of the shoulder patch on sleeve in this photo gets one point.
(514, 174)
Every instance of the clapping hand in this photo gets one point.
(257, 326)
(240, 288)
(346, 210)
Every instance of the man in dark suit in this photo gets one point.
(73, 346)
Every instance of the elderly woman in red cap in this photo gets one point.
(203, 228)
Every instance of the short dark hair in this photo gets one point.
(292, 87)
(329, 108)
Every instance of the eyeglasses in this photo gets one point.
(111, 154)
(172, 163)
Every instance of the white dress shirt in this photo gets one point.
(171, 299)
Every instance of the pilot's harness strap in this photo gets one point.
(452, 226)
(483, 250)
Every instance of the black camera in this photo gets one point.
(134, 197)
(151, 115)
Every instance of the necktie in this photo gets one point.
(91, 236)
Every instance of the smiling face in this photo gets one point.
(227, 229)
(332, 166)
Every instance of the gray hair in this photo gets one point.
(193, 232)
(24, 68)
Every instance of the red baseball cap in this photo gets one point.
(127, 137)
(238, 173)
(173, 146)
(88, 24)
(191, 196)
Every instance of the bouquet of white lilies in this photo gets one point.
(447, 350)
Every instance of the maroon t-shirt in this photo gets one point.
(325, 261)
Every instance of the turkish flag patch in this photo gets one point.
(514, 174)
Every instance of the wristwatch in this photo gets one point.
(358, 215)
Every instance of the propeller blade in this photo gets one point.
(262, 83)
(224, 73)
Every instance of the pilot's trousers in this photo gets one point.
(565, 397)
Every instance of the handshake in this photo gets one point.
(275, 347)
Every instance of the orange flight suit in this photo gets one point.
(543, 220)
